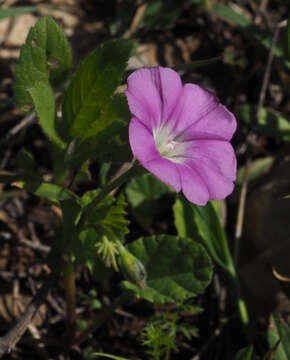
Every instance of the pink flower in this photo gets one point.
(181, 134)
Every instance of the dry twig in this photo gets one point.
(8, 341)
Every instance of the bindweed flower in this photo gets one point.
(181, 134)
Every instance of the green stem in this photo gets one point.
(70, 294)
(105, 191)
(241, 304)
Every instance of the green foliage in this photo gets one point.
(245, 354)
(202, 223)
(86, 253)
(92, 86)
(143, 193)
(49, 191)
(44, 103)
(105, 229)
(269, 122)
(132, 268)
(108, 136)
(108, 217)
(159, 338)
(15, 11)
(159, 334)
(177, 268)
(45, 55)
(279, 339)
(144, 187)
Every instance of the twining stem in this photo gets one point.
(70, 294)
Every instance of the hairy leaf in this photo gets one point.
(108, 137)
(45, 55)
(177, 268)
(49, 191)
(92, 86)
(202, 223)
(279, 339)
(44, 103)
(108, 216)
(144, 187)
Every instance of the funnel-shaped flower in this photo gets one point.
(181, 134)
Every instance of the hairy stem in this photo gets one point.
(70, 294)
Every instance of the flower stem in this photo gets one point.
(68, 267)
(70, 294)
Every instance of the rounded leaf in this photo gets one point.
(177, 268)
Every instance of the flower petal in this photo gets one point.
(142, 142)
(194, 104)
(152, 94)
(218, 185)
(193, 186)
(215, 154)
(166, 171)
(219, 124)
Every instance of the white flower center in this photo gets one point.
(168, 145)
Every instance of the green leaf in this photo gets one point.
(49, 191)
(92, 86)
(245, 354)
(86, 253)
(202, 223)
(177, 268)
(44, 103)
(45, 55)
(117, 110)
(108, 216)
(108, 141)
(15, 11)
(144, 187)
(279, 331)
(269, 123)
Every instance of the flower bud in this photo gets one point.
(131, 267)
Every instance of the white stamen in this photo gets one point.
(167, 145)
